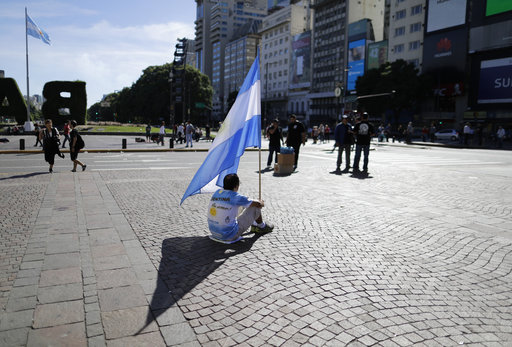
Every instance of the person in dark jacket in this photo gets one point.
(275, 136)
(343, 138)
(51, 142)
(363, 132)
(296, 136)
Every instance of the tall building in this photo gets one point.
(277, 32)
(240, 53)
(406, 31)
(329, 58)
(216, 22)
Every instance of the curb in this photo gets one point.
(31, 151)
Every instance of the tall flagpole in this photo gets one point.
(259, 176)
(26, 53)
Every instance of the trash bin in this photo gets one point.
(22, 144)
(124, 143)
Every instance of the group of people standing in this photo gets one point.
(49, 138)
(296, 137)
(184, 132)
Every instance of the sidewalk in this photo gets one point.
(84, 276)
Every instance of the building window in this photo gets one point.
(415, 27)
(414, 45)
(416, 10)
(399, 31)
(400, 14)
(398, 48)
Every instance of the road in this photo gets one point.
(419, 252)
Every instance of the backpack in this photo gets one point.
(79, 142)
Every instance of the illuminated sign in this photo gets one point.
(356, 51)
(495, 81)
(497, 6)
(377, 54)
(444, 14)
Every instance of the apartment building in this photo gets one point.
(276, 33)
(406, 28)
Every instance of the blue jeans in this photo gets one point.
(366, 152)
(271, 150)
(189, 139)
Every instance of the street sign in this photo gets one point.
(200, 105)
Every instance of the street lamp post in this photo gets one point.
(171, 110)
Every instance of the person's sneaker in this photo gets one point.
(84, 167)
(267, 229)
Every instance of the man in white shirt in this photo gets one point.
(467, 133)
(501, 136)
(161, 133)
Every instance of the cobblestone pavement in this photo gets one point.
(407, 256)
(400, 258)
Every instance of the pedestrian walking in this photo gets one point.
(296, 137)
(424, 133)
(363, 132)
(189, 132)
(327, 133)
(275, 136)
(148, 133)
(500, 134)
(51, 142)
(467, 134)
(409, 133)
(161, 134)
(36, 132)
(76, 143)
(432, 132)
(321, 133)
(343, 139)
(223, 210)
(207, 132)
(66, 134)
(181, 133)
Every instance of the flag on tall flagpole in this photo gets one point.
(34, 31)
(240, 129)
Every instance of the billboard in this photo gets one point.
(497, 6)
(445, 14)
(377, 54)
(495, 81)
(277, 3)
(300, 72)
(358, 30)
(491, 36)
(356, 52)
(445, 51)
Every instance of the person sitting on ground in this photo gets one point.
(223, 208)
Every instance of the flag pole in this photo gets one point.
(26, 54)
(259, 171)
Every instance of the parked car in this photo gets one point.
(447, 134)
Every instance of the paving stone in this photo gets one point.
(14, 337)
(60, 276)
(61, 335)
(142, 340)
(121, 297)
(60, 261)
(112, 262)
(177, 334)
(115, 278)
(128, 322)
(14, 320)
(58, 293)
(60, 313)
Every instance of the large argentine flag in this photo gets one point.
(35, 31)
(241, 129)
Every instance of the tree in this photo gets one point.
(148, 99)
(399, 84)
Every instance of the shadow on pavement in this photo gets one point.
(24, 176)
(186, 262)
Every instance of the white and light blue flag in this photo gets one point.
(35, 31)
(240, 129)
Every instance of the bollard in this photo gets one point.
(124, 143)
(22, 144)
(171, 142)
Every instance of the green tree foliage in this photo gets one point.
(148, 99)
(399, 76)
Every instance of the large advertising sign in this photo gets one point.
(495, 81)
(301, 61)
(277, 3)
(445, 51)
(497, 6)
(491, 36)
(356, 51)
(444, 14)
(377, 54)
(358, 30)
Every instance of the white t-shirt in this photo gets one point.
(162, 130)
(222, 213)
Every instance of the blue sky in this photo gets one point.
(105, 43)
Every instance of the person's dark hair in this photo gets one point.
(47, 121)
(364, 116)
(73, 123)
(231, 181)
